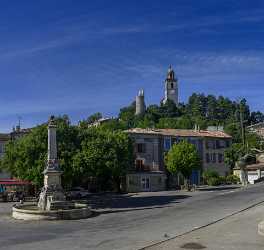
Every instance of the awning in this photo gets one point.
(14, 182)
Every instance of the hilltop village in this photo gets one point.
(209, 123)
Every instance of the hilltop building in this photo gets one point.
(171, 93)
(258, 129)
(19, 132)
(140, 103)
(171, 87)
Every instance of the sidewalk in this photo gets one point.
(238, 232)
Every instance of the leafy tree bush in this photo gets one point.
(26, 158)
(209, 174)
(183, 157)
(222, 179)
(214, 181)
(94, 117)
(232, 179)
(82, 152)
(233, 153)
(106, 155)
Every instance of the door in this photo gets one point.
(195, 177)
(145, 183)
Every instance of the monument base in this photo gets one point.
(51, 198)
(31, 212)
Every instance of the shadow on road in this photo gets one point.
(112, 211)
(132, 202)
(218, 188)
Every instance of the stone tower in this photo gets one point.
(171, 87)
(140, 103)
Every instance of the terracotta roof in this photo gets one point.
(255, 166)
(180, 132)
(14, 182)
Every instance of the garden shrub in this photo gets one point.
(213, 181)
(232, 179)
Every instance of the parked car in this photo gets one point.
(15, 196)
(77, 193)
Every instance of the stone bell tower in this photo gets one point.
(171, 87)
(140, 103)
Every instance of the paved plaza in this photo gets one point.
(134, 221)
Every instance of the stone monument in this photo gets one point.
(52, 196)
(52, 204)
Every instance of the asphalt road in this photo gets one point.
(237, 232)
(128, 222)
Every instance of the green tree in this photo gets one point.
(256, 117)
(127, 114)
(26, 157)
(233, 153)
(106, 155)
(153, 113)
(169, 109)
(94, 117)
(183, 157)
(167, 123)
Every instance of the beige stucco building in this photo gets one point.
(150, 146)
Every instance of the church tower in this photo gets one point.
(140, 103)
(171, 87)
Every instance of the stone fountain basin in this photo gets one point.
(31, 212)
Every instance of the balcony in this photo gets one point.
(145, 168)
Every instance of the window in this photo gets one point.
(207, 158)
(220, 144)
(172, 85)
(213, 157)
(210, 144)
(167, 143)
(220, 158)
(141, 148)
(139, 164)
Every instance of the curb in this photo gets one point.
(261, 228)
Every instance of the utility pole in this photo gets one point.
(19, 121)
(242, 126)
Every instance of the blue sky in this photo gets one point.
(80, 57)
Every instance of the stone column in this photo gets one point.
(52, 194)
(52, 142)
